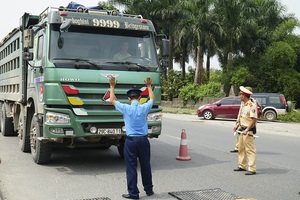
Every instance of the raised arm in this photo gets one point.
(148, 83)
(112, 83)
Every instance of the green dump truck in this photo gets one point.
(54, 71)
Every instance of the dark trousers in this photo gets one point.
(137, 148)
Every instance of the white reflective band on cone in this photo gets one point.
(183, 142)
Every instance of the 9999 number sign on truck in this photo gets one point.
(54, 71)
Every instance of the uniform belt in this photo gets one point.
(253, 129)
(247, 134)
(136, 137)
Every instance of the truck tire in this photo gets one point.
(7, 126)
(41, 152)
(24, 136)
(270, 115)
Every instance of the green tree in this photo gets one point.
(281, 62)
(171, 85)
(252, 38)
(200, 26)
(107, 5)
(235, 16)
(242, 76)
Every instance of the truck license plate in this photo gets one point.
(109, 131)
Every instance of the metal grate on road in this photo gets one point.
(206, 194)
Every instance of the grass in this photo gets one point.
(293, 116)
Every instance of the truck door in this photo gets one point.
(34, 71)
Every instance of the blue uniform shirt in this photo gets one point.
(135, 117)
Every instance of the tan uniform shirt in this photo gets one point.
(242, 104)
(249, 110)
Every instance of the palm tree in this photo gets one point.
(170, 17)
(180, 51)
(199, 28)
(235, 16)
(215, 33)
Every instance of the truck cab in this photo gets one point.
(65, 58)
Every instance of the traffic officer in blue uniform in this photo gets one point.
(247, 129)
(137, 146)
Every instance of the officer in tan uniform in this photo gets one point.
(238, 122)
(247, 129)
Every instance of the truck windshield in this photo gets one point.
(107, 48)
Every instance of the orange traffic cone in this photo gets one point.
(183, 151)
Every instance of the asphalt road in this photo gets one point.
(264, 127)
(93, 173)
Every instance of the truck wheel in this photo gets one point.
(7, 126)
(41, 152)
(24, 137)
(270, 115)
(121, 148)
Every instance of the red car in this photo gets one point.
(227, 107)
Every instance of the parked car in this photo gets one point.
(227, 107)
(272, 105)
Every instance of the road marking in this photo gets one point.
(178, 138)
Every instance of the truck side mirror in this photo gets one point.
(63, 27)
(27, 56)
(165, 48)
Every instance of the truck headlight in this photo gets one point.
(57, 118)
(153, 117)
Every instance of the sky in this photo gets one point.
(13, 10)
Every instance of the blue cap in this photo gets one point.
(134, 92)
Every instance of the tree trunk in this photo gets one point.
(171, 52)
(199, 69)
(183, 58)
(230, 62)
(226, 90)
(207, 68)
(229, 67)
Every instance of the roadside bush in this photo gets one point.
(197, 92)
(293, 116)
(170, 85)
(189, 92)
(212, 89)
(173, 82)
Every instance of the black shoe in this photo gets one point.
(234, 151)
(150, 193)
(128, 196)
(250, 173)
(239, 169)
